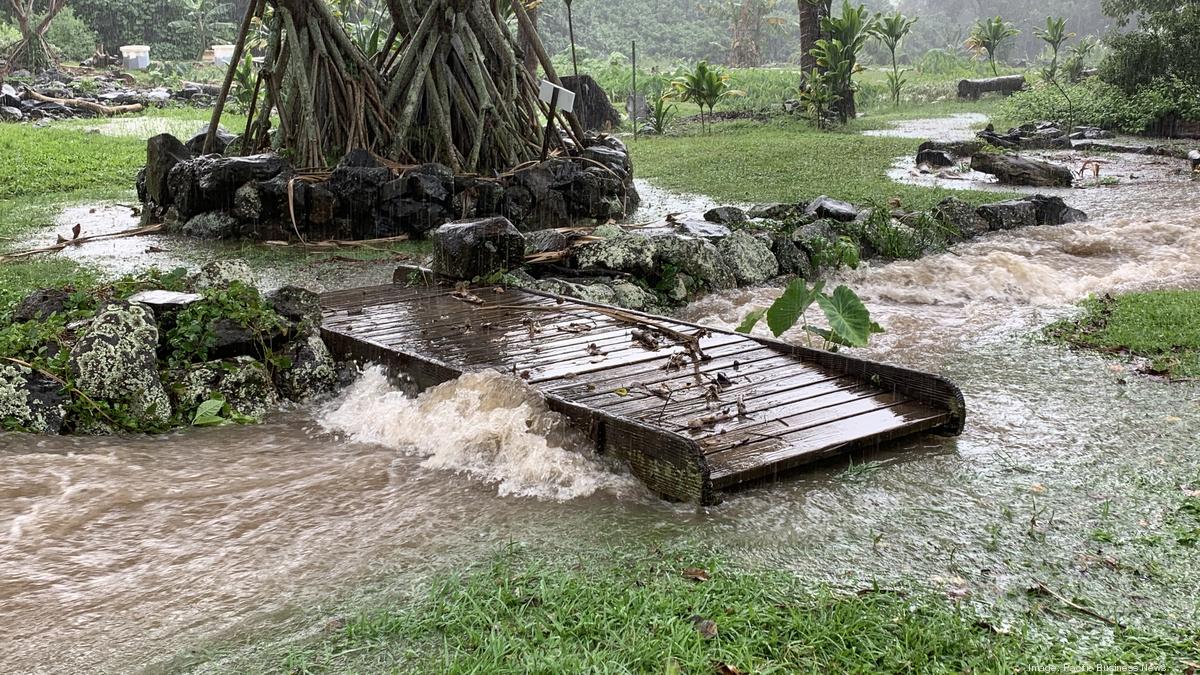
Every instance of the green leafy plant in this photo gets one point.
(1079, 55)
(194, 335)
(837, 55)
(850, 323)
(706, 86)
(662, 114)
(989, 36)
(891, 29)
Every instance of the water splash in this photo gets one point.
(486, 425)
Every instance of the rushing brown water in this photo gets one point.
(127, 554)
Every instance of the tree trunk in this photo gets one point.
(810, 32)
(530, 55)
(31, 51)
(746, 52)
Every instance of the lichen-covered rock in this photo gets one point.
(115, 361)
(248, 202)
(243, 382)
(632, 253)
(696, 257)
(632, 296)
(816, 236)
(40, 304)
(601, 294)
(30, 401)
(749, 258)
(213, 225)
(299, 306)
(221, 273)
(311, 371)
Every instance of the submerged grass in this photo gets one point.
(787, 160)
(1161, 326)
(691, 612)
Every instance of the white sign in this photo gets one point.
(566, 97)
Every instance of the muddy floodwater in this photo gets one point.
(146, 554)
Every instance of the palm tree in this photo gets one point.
(989, 35)
(811, 13)
(705, 86)
(890, 30)
(1055, 35)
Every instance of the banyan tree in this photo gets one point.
(446, 85)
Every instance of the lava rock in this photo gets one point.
(1054, 211)
(221, 273)
(400, 215)
(827, 207)
(220, 142)
(777, 212)
(726, 215)
(10, 113)
(934, 158)
(30, 401)
(209, 183)
(357, 181)
(691, 226)
(1009, 215)
(790, 258)
(698, 258)
(213, 225)
(311, 372)
(749, 258)
(1015, 170)
(242, 382)
(40, 304)
(962, 217)
(816, 236)
(163, 152)
(115, 361)
(299, 306)
(477, 248)
(626, 252)
(545, 241)
(952, 148)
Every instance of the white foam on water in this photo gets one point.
(486, 425)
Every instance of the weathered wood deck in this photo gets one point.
(688, 427)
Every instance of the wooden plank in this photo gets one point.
(806, 444)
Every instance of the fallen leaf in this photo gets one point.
(726, 669)
(621, 391)
(707, 628)
(695, 574)
(1038, 488)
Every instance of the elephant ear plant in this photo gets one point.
(850, 323)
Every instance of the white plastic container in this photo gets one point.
(222, 54)
(135, 57)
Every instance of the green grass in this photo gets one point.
(640, 613)
(40, 161)
(1161, 326)
(786, 160)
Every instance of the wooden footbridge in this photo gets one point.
(694, 411)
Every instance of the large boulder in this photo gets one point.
(30, 401)
(163, 152)
(631, 253)
(300, 306)
(697, 258)
(1054, 211)
(209, 183)
(473, 249)
(749, 258)
(221, 273)
(1015, 170)
(242, 382)
(356, 183)
(115, 361)
(1009, 215)
(790, 258)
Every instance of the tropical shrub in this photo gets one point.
(1098, 103)
(705, 85)
(891, 29)
(74, 40)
